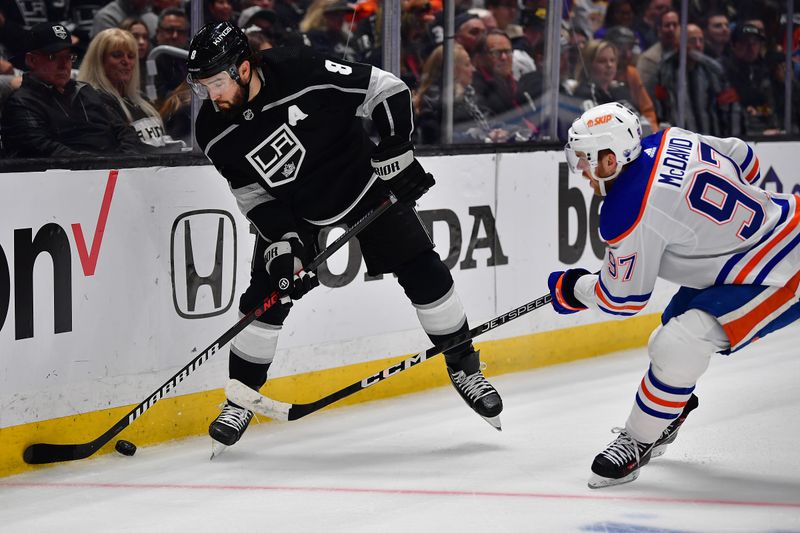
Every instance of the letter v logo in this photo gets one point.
(89, 260)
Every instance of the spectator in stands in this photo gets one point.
(620, 13)
(496, 87)
(290, 13)
(116, 11)
(218, 11)
(648, 62)
(173, 30)
(160, 6)
(470, 117)
(257, 40)
(777, 66)
(505, 13)
(749, 75)
(416, 39)
(486, 16)
(647, 25)
(587, 15)
(527, 45)
(262, 17)
(704, 83)
(51, 115)
(138, 29)
(325, 26)
(111, 66)
(176, 113)
(625, 42)
(469, 28)
(597, 83)
(717, 36)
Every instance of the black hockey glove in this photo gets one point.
(286, 270)
(395, 163)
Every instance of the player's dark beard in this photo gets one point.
(238, 102)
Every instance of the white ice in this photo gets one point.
(425, 462)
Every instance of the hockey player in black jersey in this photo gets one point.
(283, 128)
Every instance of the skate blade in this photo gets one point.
(598, 482)
(658, 451)
(493, 421)
(217, 449)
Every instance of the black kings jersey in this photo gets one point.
(298, 150)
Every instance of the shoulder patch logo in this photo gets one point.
(651, 152)
(278, 158)
(248, 114)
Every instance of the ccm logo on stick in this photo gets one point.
(203, 263)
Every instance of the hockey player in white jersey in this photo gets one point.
(683, 207)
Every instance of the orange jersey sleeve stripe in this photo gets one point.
(753, 171)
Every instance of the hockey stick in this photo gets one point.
(241, 394)
(42, 453)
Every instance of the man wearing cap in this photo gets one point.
(469, 28)
(51, 115)
(748, 74)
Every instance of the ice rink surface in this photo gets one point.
(425, 462)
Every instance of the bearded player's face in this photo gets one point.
(225, 92)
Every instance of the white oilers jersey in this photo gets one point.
(688, 210)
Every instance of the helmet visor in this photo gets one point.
(578, 161)
(207, 87)
(582, 150)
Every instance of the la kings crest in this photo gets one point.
(279, 157)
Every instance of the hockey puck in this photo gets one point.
(125, 447)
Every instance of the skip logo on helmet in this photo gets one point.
(599, 120)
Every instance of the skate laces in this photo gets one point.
(624, 448)
(475, 386)
(235, 417)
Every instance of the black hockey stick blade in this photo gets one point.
(42, 453)
(243, 395)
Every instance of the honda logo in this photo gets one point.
(203, 263)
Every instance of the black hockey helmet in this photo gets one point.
(216, 47)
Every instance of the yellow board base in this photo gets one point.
(190, 414)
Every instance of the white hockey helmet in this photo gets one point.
(605, 127)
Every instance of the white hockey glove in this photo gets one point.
(394, 162)
(286, 271)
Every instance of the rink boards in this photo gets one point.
(111, 281)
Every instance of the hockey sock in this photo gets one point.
(254, 375)
(657, 405)
(252, 351)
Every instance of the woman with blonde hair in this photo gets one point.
(111, 65)
(472, 120)
(597, 80)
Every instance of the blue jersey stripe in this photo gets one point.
(618, 313)
(777, 259)
(748, 158)
(624, 299)
(726, 269)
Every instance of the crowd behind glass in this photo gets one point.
(99, 78)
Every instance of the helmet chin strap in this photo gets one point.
(601, 182)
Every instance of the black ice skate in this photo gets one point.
(228, 427)
(620, 461)
(671, 433)
(466, 376)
